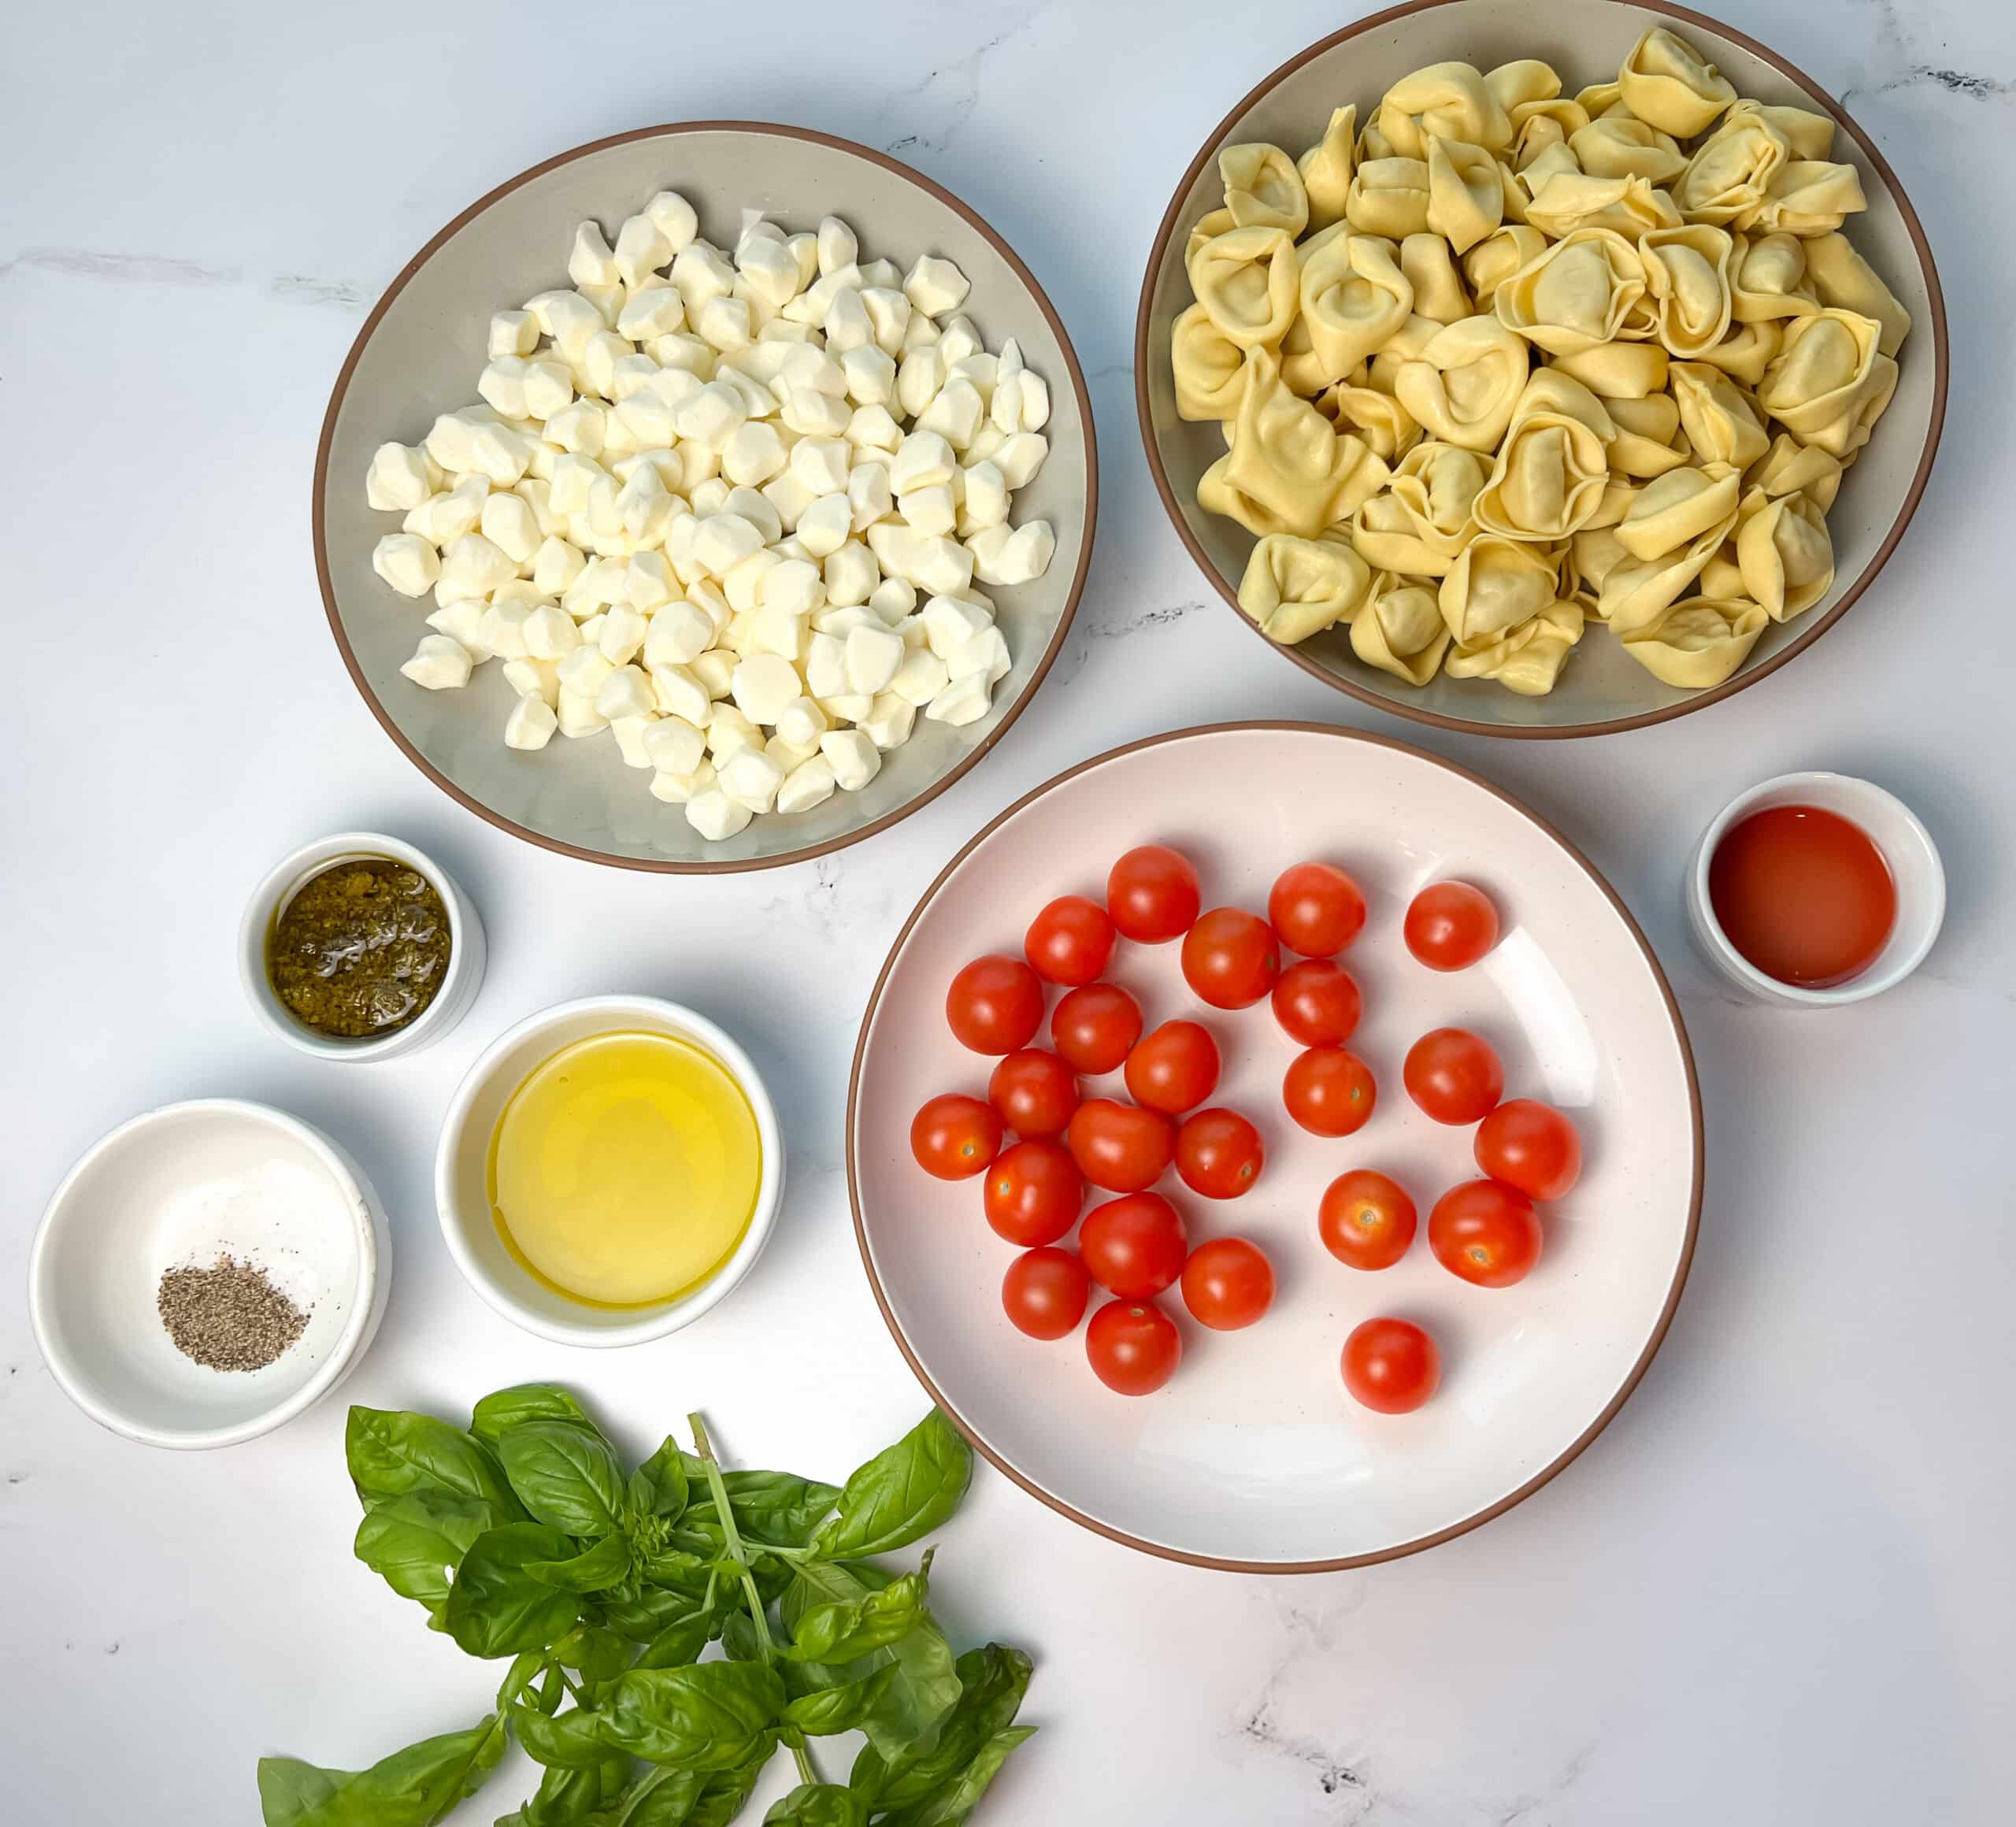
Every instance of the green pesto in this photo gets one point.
(361, 950)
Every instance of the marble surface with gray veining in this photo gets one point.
(1778, 1590)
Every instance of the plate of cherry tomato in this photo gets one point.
(1274, 1146)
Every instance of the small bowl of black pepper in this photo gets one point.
(360, 947)
(206, 1272)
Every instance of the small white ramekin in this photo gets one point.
(467, 953)
(187, 1184)
(1906, 847)
(461, 1176)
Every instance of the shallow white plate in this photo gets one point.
(1254, 1457)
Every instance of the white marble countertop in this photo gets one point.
(1778, 1590)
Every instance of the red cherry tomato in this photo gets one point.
(1230, 958)
(1118, 1146)
(1152, 895)
(994, 1004)
(1317, 1002)
(1219, 1153)
(1094, 1027)
(1329, 1090)
(1365, 1220)
(1391, 1366)
(1228, 1283)
(1316, 909)
(1174, 1068)
(954, 1137)
(1070, 941)
(1134, 1347)
(1133, 1247)
(1532, 1147)
(1045, 1292)
(1453, 1076)
(1033, 1193)
(1035, 1092)
(1450, 925)
(1485, 1233)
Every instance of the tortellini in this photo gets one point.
(1293, 588)
(1495, 362)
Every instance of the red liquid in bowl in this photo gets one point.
(1803, 894)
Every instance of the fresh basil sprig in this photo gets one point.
(523, 1536)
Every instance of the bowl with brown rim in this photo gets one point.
(419, 354)
(1601, 690)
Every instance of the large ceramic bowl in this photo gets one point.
(420, 352)
(1254, 1458)
(1602, 689)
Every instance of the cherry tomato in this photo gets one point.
(1228, 1283)
(1134, 1347)
(1152, 896)
(955, 1137)
(1094, 1027)
(1365, 1219)
(1453, 1076)
(1317, 1002)
(1174, 1068)
(1316, 909)
(1044, 1292)
(1035, 1091)
(1329, 1090)
(1485, 1233)
(994, 1004)
(1033, 1193)
(1070, 941)
(1133, 1247)
(1530, 1145)
(1230, 958)
(1391, 1366)
(1118, 1146)
(1219, 1153)
(1451, 925)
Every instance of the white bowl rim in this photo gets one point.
(804, 853)
(655, 1322)
(1165, 241)
(333, 1368)
(289, 873)
(1654, 1341)
(1870, 983)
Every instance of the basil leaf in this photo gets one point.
(712, 1716)
(659, 1798)
(394, 1454)
(901, 1495)
(948, 1807)
(643, 1610)
(817, 1805)
(413, 1788)
(523, 1401)
(594, 1654)
(992, 1681)
(659, 1485)
(777, 1509)
(826, 1711)
(570, 1740)
(572, 1798)
(565, 1474)
(594, 1569)
(495, 1607)
(415, 1543)
(926, 1685)
(685, 1637)
(722, 1794)
(847, 1629)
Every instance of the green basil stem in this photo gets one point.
(703, 1448)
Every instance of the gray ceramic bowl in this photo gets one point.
(1602, 689)
(420, 352)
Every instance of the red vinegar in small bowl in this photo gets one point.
(1804, 894)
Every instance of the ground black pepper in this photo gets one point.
(228, 1316)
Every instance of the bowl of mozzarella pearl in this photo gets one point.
(705, 499)
(1540, 372)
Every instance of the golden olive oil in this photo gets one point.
(624, 1169)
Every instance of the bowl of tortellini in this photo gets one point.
(1541, 371)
